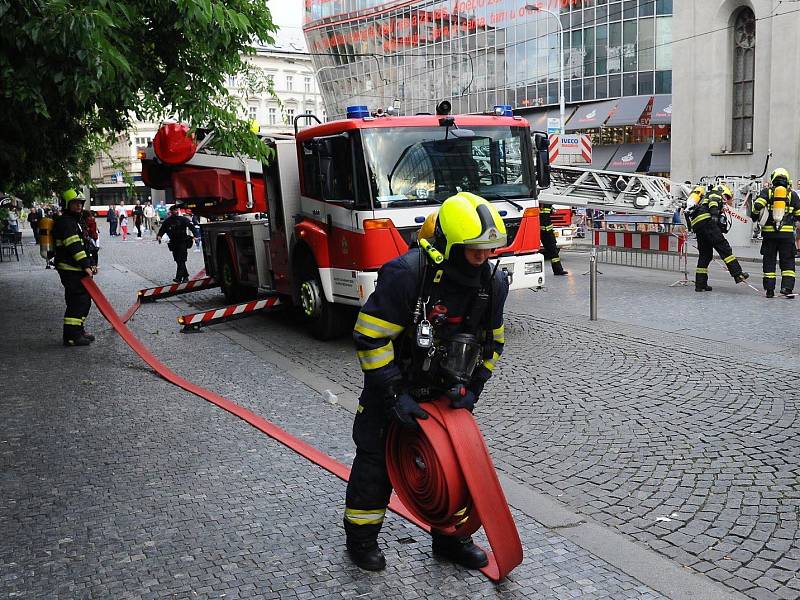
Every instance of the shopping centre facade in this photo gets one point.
(480, 53)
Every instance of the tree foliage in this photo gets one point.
(74, 73)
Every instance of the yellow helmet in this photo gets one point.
(428, 229)
(68, 195)
(468, 219)
(725, 190)
(780, 174)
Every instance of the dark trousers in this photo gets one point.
(112, 228)
(368, 488)
(550, 248)
(78, 303)
(784, 250)
(180, 254)
(710, 238)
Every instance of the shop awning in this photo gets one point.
(629, 110)
(628, 157)
(590, 116)
(662, 110)
(660, 159)
(538, 120)
(601, 155)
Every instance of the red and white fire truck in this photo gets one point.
(340, 199)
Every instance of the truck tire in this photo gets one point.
(234, 291)
(325, 320)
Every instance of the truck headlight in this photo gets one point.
(531, 268)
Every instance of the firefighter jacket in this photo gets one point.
(545, 217)
(707, 209)
(70, 239)
(385, 332)
(770, 229)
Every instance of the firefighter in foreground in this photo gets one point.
(73, 262)
(704, 218)
(783, 208)
(549, 245)
(443, 299)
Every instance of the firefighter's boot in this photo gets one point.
(366, 554)
(740, 277)
(87, 335)
(558, 268)
(79, 340)
(460, 550)
(701, 282)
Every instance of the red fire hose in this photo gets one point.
(435, 491)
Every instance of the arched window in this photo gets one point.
(744, 63)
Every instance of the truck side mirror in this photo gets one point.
(542, 159)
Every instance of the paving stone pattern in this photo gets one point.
(685, 444)
(118, 485)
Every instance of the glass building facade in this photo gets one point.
(478, 53)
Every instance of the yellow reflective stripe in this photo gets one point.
(556, 259)
(499, 334)
(769, 275)
(373, 327)
(729, 259)
(787, 273)
(72, 239)
(761, 201)
(701, 270)
(58, 243)
(768, 228)
(66, 267)
(713, 204)
(365, 517)
(377, 358)
(489, 364)
(72, 321)
(700, 217)
(788, 228)
(79, 255)
(548, 228)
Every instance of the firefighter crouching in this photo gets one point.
(704, 219)
(73, 263)
(548, 237)
(440, 300)
(777, 232)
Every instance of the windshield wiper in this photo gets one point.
(507, 198)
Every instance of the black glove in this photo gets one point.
(462, 397)
(406, 410)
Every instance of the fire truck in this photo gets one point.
(340, 199)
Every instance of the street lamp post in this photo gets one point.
(538, 8)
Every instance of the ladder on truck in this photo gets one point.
(611, 190)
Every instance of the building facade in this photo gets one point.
(478, 53)
(738, 88)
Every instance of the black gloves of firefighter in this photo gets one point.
(462, 396)
(406, 410)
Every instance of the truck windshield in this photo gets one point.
(410, 166)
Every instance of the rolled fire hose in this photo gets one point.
(449, 443)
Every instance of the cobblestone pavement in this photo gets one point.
(674, 420)
(119, 485)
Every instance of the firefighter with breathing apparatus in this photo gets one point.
(777, 208)
(706, 217)
(432, 327)
(73, 263)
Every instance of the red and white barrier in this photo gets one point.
(164, 291)
(659, 242)
(194, 321)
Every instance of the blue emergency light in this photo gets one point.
(503, 110)
(357, 112)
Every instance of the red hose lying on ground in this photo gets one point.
(455, 431)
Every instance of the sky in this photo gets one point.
(287, 13)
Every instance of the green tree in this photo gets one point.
(73, 74)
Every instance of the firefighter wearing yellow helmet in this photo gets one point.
(705, 219)
(782, 207)
(432, 327)
(73, 263)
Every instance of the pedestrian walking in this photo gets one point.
(73, 263)
(175, 227)
(92, 236)
(422, 310)
(782, 206)
(197, 233)
(34, 216)
(122, 215)
(704, 217)
(548, 238)
(112, 218)
(162, 212)
(138, 219)
(150, 217)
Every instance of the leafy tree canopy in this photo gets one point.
(73, 73)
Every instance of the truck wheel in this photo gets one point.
(233, 290)
(325, 320)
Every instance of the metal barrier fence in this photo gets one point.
(634, 246)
